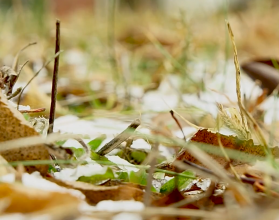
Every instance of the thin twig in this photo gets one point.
(86, 148)
(115, 142)
(178, 124)
(15, 93)
(37, 110)
(13, 80)
(184, 119)
(36, 74)
(54, 80)
(15, 63)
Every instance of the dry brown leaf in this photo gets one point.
(95, 194)
(24, 199)
(229, 142)
(172, 197)
(13, 126)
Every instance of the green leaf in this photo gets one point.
(78, 151)
(138, 156)
(26, 116)
(96, 157)
(139, 177)
(97, 177)
(123, 176)
(51, 169)
(95, 143)
(182, 183)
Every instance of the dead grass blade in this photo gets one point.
(238, 91)
(34, 140)
(115, 142)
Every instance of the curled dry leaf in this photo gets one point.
(8, 77)
(13, 126)
(22, 199)
(228, 142)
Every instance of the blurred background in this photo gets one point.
(131, 42)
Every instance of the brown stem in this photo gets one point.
(115, 142)
(54, 80)
(178, 124)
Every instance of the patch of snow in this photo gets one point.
(167, 152)
(188, 131)
(68, 174)
(204, 101)
(20, 107)
(72, 124)
(92, 128)
(123, 164)
(165, 97)
(155, 101)
(204, 184)
(271, 106)
(109, 205)
(141, 144)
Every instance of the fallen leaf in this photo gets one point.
(172, 197)
(95, 194)
(9, 77)
(13, 126)
(229, 142)
(24, 199)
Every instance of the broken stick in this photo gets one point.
(115, 142)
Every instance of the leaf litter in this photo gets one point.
(138, 166)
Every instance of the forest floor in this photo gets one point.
(158, 115)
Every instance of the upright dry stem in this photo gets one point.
(238, 91)
(54, 79)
